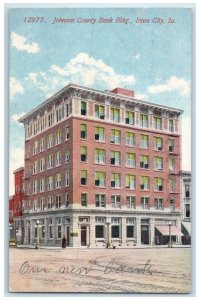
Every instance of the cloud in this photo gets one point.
(186, 143)
(173, 84)
(16, 160)
(137, 56)
(141, 96)
(20, 43)
(15, 87)
(14, 118)
(82, 70)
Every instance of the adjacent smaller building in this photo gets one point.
(16, 207)
(186, 205)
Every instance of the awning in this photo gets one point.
(164, 230)
(187, 226)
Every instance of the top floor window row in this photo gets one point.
(99, 112)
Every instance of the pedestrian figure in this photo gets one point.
(64, 242)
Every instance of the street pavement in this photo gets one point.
(147, 270)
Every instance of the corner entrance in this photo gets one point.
(83, 236)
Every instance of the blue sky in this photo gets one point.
(152, 59)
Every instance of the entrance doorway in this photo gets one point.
(67, 234)
(145, 234)
(29, 235)
(83, 236)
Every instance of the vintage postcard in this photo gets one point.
(100, 150)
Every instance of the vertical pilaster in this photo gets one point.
(123, 231)
(138, 231)
(92, 232)
(152, 231)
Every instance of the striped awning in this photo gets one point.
(164, 230)
(187, 226)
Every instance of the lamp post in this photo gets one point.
(108, 235)
(37, 245)
(170, 237)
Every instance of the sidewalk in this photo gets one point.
(95, 248)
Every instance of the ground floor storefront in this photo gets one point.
(101, 229)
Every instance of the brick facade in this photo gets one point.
(133, 198)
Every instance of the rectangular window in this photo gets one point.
(158, 143)
(115, 158)
(59, 232)
(130, 138)
(100, 179)
(50, 161)
(51, 119)
(130, 201)
(187, 191)
(35, 167)
(58, 181)
(129, 118)
(172, 204)
(144, 161)
(145, 203)
(100, 156)
(171, 125)
(42, 164)
(83, 153)
(67, 178)
(99, 231)
(50, 183)
(172, 185)
(158, 163)
(66, 199)
(130, 160)
(171, 145)
(115, 114)
(115, 231)
(144, 183)
(144, 141)
(42, 144)
(130, 181)
(99, 134)
(100, 112)
(67, 156)
(157, 123)
(187, 210)
(171, 164)
(158, 203)
(83, 199)
(58, 201)
(35, 204)
(116, 201)
(83, 131)
(58, 159)
(67, 135)
(35, 147)
(42, 185)
(67, 108)
(42, 124)
(115, 180)
(50, 141)
(115, 136)
(59, 114)
(58, 136)
(35, 187)
(43, 231)
(42, 203)
(100, 200)
(50, 202)
(158, 184)
(83, 108)
(143, 120)
(83, 177)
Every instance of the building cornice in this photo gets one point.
(107, 94)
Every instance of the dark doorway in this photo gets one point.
(83, 235)
(29, 235)
(145, 234)
(67, 236)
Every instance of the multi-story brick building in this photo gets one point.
(186, 206)
(102, 167)
(16, 206)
